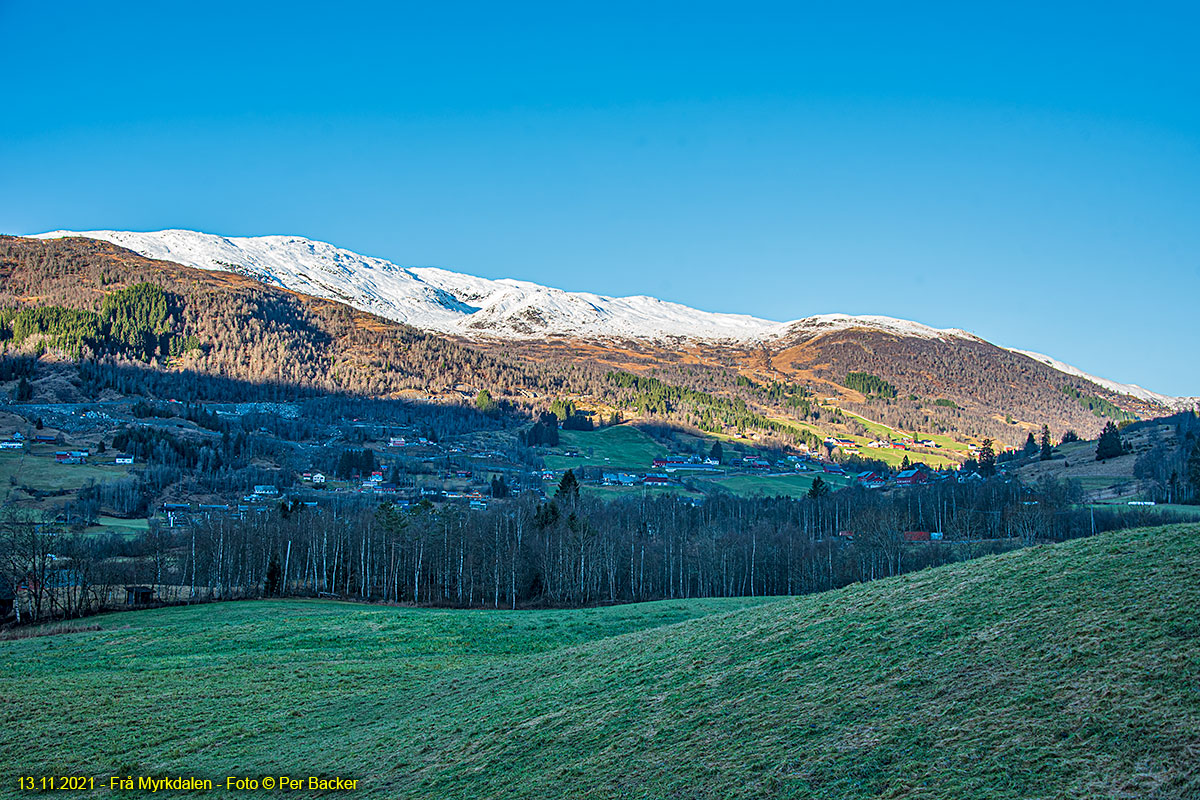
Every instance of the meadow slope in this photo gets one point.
(1066, 671)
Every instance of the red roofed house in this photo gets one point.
(871, 480)
(912, 477)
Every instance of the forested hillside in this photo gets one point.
(90, 300)
(96, 300)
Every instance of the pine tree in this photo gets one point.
(818, 489)
(568, 487)
(987, 459)
(484, 402)
(1109, 445)
(1031, 444)
(717, 453)
(1047, 447)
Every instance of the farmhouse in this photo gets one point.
(656, 480)
(266, 490)
(671, 462)
(123, 458)
(618, 479)
(11, 445)
(912, 477)
(318, 478)
(870, 480)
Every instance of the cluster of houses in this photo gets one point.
(693, 464)
(633, 479)
(905, 443)
(17, 442)
(72, 456)
(917, 475)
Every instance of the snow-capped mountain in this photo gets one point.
(451, 302)
(1131, 389)
(431, 298)
(820, 324)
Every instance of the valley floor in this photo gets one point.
(1059, 671)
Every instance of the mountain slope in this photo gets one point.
(449, 302)
(243, 328)
(1131, 389)
(259, 335)
(1059, 671)
(431, 298)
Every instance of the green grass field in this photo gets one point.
(892, 458)
(106, 526)
(1066, 671)
(1161, 508)
(619, 446)
(42, 472)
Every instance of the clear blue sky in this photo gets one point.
(1028, 172)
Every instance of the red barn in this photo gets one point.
(916, 536)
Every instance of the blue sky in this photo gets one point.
(1029, 174)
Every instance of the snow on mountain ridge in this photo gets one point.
(1131, 389)
(437, 299)
(429, 297)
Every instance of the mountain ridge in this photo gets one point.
(436, 299)
(495, 307)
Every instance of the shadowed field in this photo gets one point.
(1059, 671)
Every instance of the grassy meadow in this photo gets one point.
(618, 446)
(1065, 671)
(41, 471)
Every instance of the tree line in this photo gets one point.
(569, 551)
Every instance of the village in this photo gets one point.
(58, 459)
